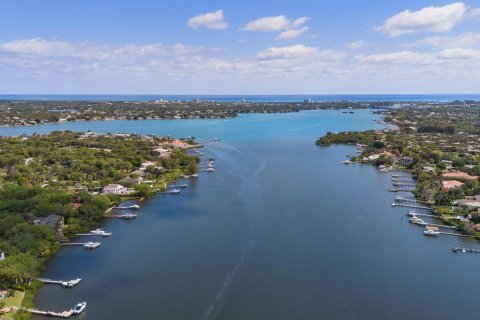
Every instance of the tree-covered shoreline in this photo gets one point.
(64, 174)
(440, 146)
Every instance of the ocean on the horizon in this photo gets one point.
(248, 98)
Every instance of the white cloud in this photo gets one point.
(157, 67)
(434, 19)
(81, 50)
(474, 13)
(355, 45)
(459, 54)
(403, 57)
(211, 20)
(463, 40)
(446, 56)
(291, 34)
(286, 52)
(277, 23)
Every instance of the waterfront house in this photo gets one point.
(53, 221)
(114, 188)
(145, 165)
(459, 175)
(128, 181)
(470, 202)
(403, 161)
(449, 184)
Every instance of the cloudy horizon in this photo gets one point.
(297, 47)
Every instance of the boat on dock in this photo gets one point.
(416, 220)
(410, 206)
(210, 169)
(79, 308)
(64, 284)
(128, 216)
(464, 250)
(100, 232)
(132, 207)
(430, 232)
(91, 245)
(195, 175)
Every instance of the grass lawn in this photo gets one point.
(15, 301)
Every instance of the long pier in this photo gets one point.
(403, 184)
(178, 186)
(456, 234)
(132, 207)
(438, 225)
(172, 191)
(65, 284)
(121, 216)
(399, 190)
(64, 314)
(464, 250)
(412, 214)
(402, 180)
(410, 206)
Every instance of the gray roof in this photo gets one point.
(49, 221)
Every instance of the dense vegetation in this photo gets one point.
(37, 112)
(62, 173)
(437, 140)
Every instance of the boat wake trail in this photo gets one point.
(251, 209)
(214, 307)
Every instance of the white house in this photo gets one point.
(114, 189)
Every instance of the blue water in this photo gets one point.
(249, 98)
(281, 230)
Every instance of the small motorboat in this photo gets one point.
(91, 245)
(431, 233)
(79, 307)
(101, 232)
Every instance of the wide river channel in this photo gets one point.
(280, 230)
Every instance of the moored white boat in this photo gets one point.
(101, 232)
(431, 232)
(79, 308)
(91, 245)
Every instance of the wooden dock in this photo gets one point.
(404, 184)
(72, 243)
(399, 190)
(64, 314)
(465, 250)
(65, 284)
(121, 216)
(410, 206)
(456, 234)
(411, 214)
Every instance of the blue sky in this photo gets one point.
(239, 47)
